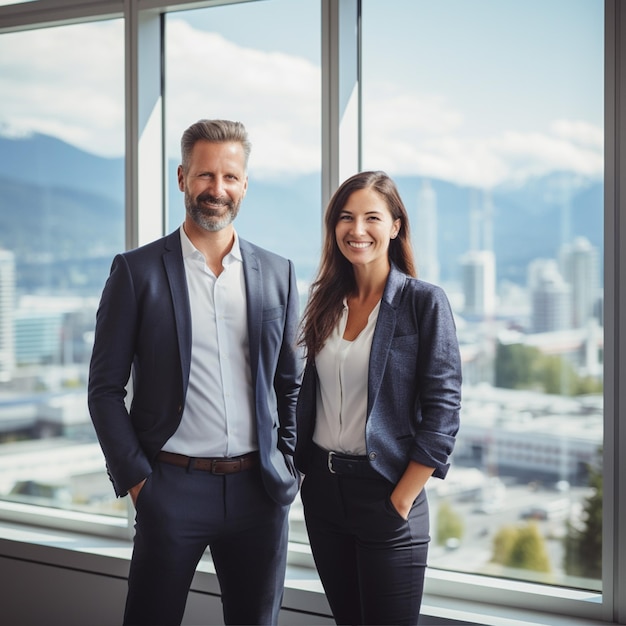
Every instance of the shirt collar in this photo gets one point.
(189, 250)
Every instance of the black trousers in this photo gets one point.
(371, 561)
(180, 513)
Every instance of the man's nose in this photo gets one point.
(216, 186)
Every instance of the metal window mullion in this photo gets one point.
(614, 469)
(619, 473)
(341, 107)
(144, 165)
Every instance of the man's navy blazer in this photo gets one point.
(143, 325)
(414, 382)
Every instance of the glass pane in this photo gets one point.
(61, 221)
(489, 115)
(220, 64)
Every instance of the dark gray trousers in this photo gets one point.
(180, 513)
(370, 560)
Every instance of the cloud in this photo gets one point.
(534, 153)
(395, 109)
(581, 133)
(69, 81)
(277, 96)
(408, 133)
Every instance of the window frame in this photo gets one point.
(145, 220)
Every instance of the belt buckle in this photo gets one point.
(329, 462)
(214, 463)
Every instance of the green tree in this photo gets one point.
(583, 542)
(449, 524)
(522, 547)
(515, 364)
(529, 550)
(556, 375)
(587, 385)
(525, 367)
(503, 543)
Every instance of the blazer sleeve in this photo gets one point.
(439, 373)
(109, 373)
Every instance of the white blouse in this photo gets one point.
(342, 368)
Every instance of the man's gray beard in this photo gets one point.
(211, 219)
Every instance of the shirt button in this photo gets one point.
(372, 456)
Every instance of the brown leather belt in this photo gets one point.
(230, 465)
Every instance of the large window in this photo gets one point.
(490, 116)
(61, 221)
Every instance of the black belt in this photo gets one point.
(342, 464)
(229, 465)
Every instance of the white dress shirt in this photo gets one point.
(218, 418)
(342, 368)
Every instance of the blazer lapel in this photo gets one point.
(383, 334)
(175, 270)
(254, 298)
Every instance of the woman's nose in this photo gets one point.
(358, 226)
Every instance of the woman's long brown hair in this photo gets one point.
(335, 277)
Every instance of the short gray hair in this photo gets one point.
(214, 131)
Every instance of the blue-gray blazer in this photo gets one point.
(144, 325)
(414, 383)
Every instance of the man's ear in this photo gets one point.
(181, 178)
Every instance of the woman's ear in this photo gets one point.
(396, 228)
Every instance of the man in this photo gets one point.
(206, 322)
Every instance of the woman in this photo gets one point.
(379, 406)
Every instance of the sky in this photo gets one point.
(477, 92)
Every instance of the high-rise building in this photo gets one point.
(478, 268)
(580, 268)
(478, 265)
(7, 305)
(550, 297)
(425, 234)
